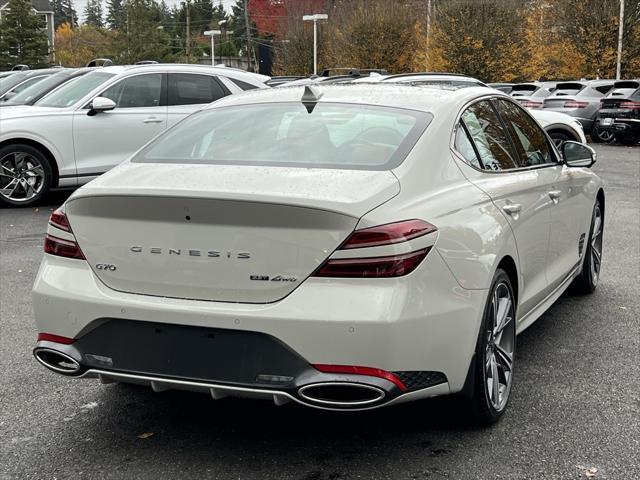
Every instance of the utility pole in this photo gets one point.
(188, 46)
(246, 24)
(428, 32)
(620, 33)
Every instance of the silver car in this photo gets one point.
(532, 95)
(581, 99)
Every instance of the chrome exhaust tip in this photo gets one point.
(341, 394)
(57, 361)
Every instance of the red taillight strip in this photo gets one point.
(355, 370)
(50, 337)
(62, 248)
(630, 105)
(59, 220)
(373, 267)
(575, 104)
(388, 234)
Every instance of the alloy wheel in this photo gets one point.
(596, 245)
(22, 177)
(500, 346)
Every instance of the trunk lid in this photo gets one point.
(219, 233)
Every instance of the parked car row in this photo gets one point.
(594, 103)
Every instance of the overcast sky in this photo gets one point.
(80, 4)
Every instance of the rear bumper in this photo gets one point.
(223, 363)
(422, 322)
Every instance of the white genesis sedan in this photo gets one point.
(345, 247)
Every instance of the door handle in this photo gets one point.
(512, 209)
(152, 120)
(555, 195)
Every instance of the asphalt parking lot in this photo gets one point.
(574, 412)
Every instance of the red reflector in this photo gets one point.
(630, 105)
(388, 234)
(375, 267)
(62, 248)
(371, 372)
(59, 220)
(50, 337)
(575, 104)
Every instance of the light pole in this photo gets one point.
(620, 32)
(314, 18)
(212, 33)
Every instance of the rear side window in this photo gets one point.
(241, 84)
(489, 136)
(465, 148)
(136, 92)
(530, 141)
(191, 89)
(332, 135)
(604, 89)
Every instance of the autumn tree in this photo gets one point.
(480, 38)
(548, 54)
(22, 36)
(591, 26)
(76, 46)
(93, 13)
(375, 34)
(290, 37)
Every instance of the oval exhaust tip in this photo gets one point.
(57, 361)
(341, 394)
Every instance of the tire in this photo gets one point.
(628, 139)
(559, 138)
(587, 281)
(599, 135)
(494, 355)
(25, 175)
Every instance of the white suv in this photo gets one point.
(91, 124)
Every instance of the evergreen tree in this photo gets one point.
(93, 13)
(23, 36)
(63, 12)
(116, 14)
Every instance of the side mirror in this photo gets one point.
(578, 154)
(101, 104)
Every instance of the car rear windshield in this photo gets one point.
(72, 92)
(332, 135)
(568, 88)
(523, 89)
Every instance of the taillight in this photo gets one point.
(372, 267)
(381, 266)
(355, 370)
(630, 105)
(575, 104)
(59, 220)
(62, 247)
(530, 104)
(388, 234)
